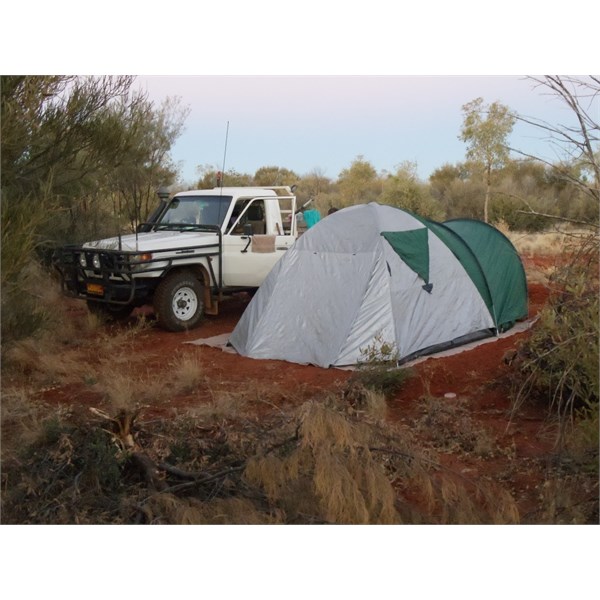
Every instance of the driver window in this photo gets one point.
(254, 214)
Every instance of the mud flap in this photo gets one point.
(211, 304)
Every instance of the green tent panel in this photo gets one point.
(501, 265)
(413, 248)
(466, 258)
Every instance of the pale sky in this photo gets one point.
(325, 122)
(335, 80)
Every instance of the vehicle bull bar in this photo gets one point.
(118, 274)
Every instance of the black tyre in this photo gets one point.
(111, 312)
(179, 302)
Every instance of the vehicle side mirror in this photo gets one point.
(248, 229)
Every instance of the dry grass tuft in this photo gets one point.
(22, 419)
(38, 361)
(321, 423)
(223, 405)
(185, 374)
(168, 509)
(330, 474)
(475, 504)
(561, 501)
(547, 243)
(121, 391)
(368, 402)
(116, 346)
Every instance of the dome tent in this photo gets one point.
(372, 272)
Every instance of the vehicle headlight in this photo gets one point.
(139, 261)
(82, 260)
(96, 261)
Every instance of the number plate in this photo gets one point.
(95, 288)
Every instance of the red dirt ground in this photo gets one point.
(478, 377)
(462, 374)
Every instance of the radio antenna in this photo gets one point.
(224, 156)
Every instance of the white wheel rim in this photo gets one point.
(185, 303)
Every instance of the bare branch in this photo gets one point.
(558, 218)
(581, 96)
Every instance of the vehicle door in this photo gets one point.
(253, 242)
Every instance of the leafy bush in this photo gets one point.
(378, 368)
(69, 474)
(559, 362)
(28, 304)
(21, 311)
(512, 212)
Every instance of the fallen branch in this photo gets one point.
(187, 474)
(122, 432)
(204, 480)
(152, 474)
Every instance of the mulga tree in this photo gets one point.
(149, 133)
(485, 130)
(317, 186)
(59, 132)
(404, 190)
(273, 175)
(457, 191)
(64, 142)
(70, 144)
(359, 183)
(57, 144)
(210, 176)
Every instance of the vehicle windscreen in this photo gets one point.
(195, 210)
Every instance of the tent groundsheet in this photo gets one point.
(220, 342)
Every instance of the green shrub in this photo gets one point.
(25, 286)
(559, 362)
(378, 368)
(68, 474)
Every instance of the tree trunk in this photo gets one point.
(488, 186)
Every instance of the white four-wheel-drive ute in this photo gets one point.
(197, 247)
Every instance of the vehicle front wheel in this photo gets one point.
(178, 302)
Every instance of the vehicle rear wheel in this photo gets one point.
(178, 302)
(112, 312)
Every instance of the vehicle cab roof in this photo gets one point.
(231, 191)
